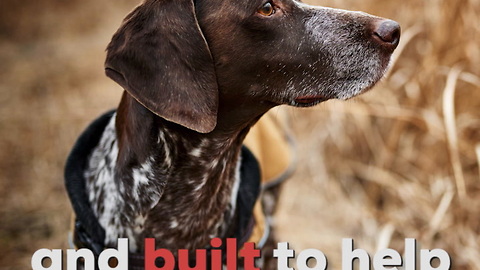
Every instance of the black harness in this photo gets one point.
(88, 233)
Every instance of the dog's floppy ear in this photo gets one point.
(160, 57)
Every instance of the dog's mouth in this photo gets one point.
(307, 101)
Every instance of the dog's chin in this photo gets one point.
(340, 91)
(347, 92)
(311, 93)
(356, 92)
(355, 89)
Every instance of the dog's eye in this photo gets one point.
(267, 9)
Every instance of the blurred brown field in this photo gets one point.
(401, 161)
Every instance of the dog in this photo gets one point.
(169, 162)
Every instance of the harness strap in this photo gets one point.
(75, 183)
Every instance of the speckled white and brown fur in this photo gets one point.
(197, 75)
(183, 194)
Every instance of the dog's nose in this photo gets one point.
(387, 34)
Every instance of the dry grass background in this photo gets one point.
(401, 161)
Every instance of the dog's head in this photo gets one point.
(180, 57)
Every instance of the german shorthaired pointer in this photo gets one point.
(197, 75)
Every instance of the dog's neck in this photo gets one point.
(168, 182)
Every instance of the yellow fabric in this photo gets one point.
(268, 143)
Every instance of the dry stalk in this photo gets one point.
(385, 236)
(441, 211)
(451, 130)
